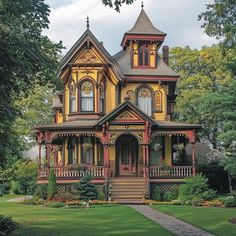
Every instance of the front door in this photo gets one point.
(127, 155)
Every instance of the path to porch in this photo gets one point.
(177, 227)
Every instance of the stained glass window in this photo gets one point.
(87, 96)
(145, 100)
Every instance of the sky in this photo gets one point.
(177, 18)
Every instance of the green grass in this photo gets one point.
(8, 197)
(117, 220)
(214, 220)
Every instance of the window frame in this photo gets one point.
(81, 98)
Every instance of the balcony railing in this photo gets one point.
(172, 171)
(65, 172)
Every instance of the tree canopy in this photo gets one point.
(26, 57)
(117, 4)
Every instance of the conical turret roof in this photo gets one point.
(143, 25)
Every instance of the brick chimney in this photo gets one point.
(165, 51)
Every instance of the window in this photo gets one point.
(87, 151)
(158, 101)
(145, 100)
(143, 55)
(87, 96)
(71, 150)
(72, 99)
(102, 99)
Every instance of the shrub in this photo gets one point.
(209, 195)
(101, 195)
(41, 191)
(176, 202)
(56, 204)
(87, 190)
(156, 193)
(230, 201)
(215, 203)
(15, 188)
(65, 196)
(169, 196)
(34, 201)
(194, 187)
(52, 185)
(197, 201)
(7, 225)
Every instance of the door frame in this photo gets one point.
(132, 167)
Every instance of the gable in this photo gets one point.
(88, 56)
(126, 113)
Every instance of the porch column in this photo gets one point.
(193, 158)
(40, 156)
(106, 169)
(48, 158)
(144, 161)
(95, 153)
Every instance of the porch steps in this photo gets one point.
(128, 190)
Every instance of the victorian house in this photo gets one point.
(113, 119)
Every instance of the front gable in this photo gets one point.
(88, 56)
(126, 113)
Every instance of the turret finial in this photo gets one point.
(87, 22)
(142, 5)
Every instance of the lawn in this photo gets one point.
(8, 197)
(214, 220)
(117, 220)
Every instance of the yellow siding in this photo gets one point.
(168, 150)
(153, 55)
(112, 153)
(135, 54)
(155, 87)
(110, 97)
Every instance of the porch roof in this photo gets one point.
(171, 124)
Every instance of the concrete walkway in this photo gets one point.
(177, 227)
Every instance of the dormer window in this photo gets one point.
(87, 97)
(143, 55)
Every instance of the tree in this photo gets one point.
(52, 184)
(220, 21)
(202, 77)
(36, 109)
(87, 190)
(117, 4)
(26, 57)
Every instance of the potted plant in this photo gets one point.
(87, 146)
(179, 147)
(165, 169)
(157, 147)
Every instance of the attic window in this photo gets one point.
(143, 55)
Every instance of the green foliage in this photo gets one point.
(101, 195)
(170, 195)
(87, 190)
(220, 22)
(7, 225)
(26, 57)
(41, 191)
(194, 187)
(52, 184)
(230, 201)
(215, 173)
(203, 78)
(196, 201)
(176, 202)
(36, 109)
(156, 193)
(209, 195)
(35, 200)
(15, 187)
(65, 196)
(117, 4)
(56, 204)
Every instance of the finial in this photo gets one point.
(87, 22)
(142, 5)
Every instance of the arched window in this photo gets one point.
(143, 55)
(87, 96)
(101, 99)
(72, 98)
(145, 100)
(158, 101)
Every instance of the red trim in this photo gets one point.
(149, 78)
(141, 37)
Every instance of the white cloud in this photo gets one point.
(177, 18)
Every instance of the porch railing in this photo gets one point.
(64, 172)
(173, 171)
